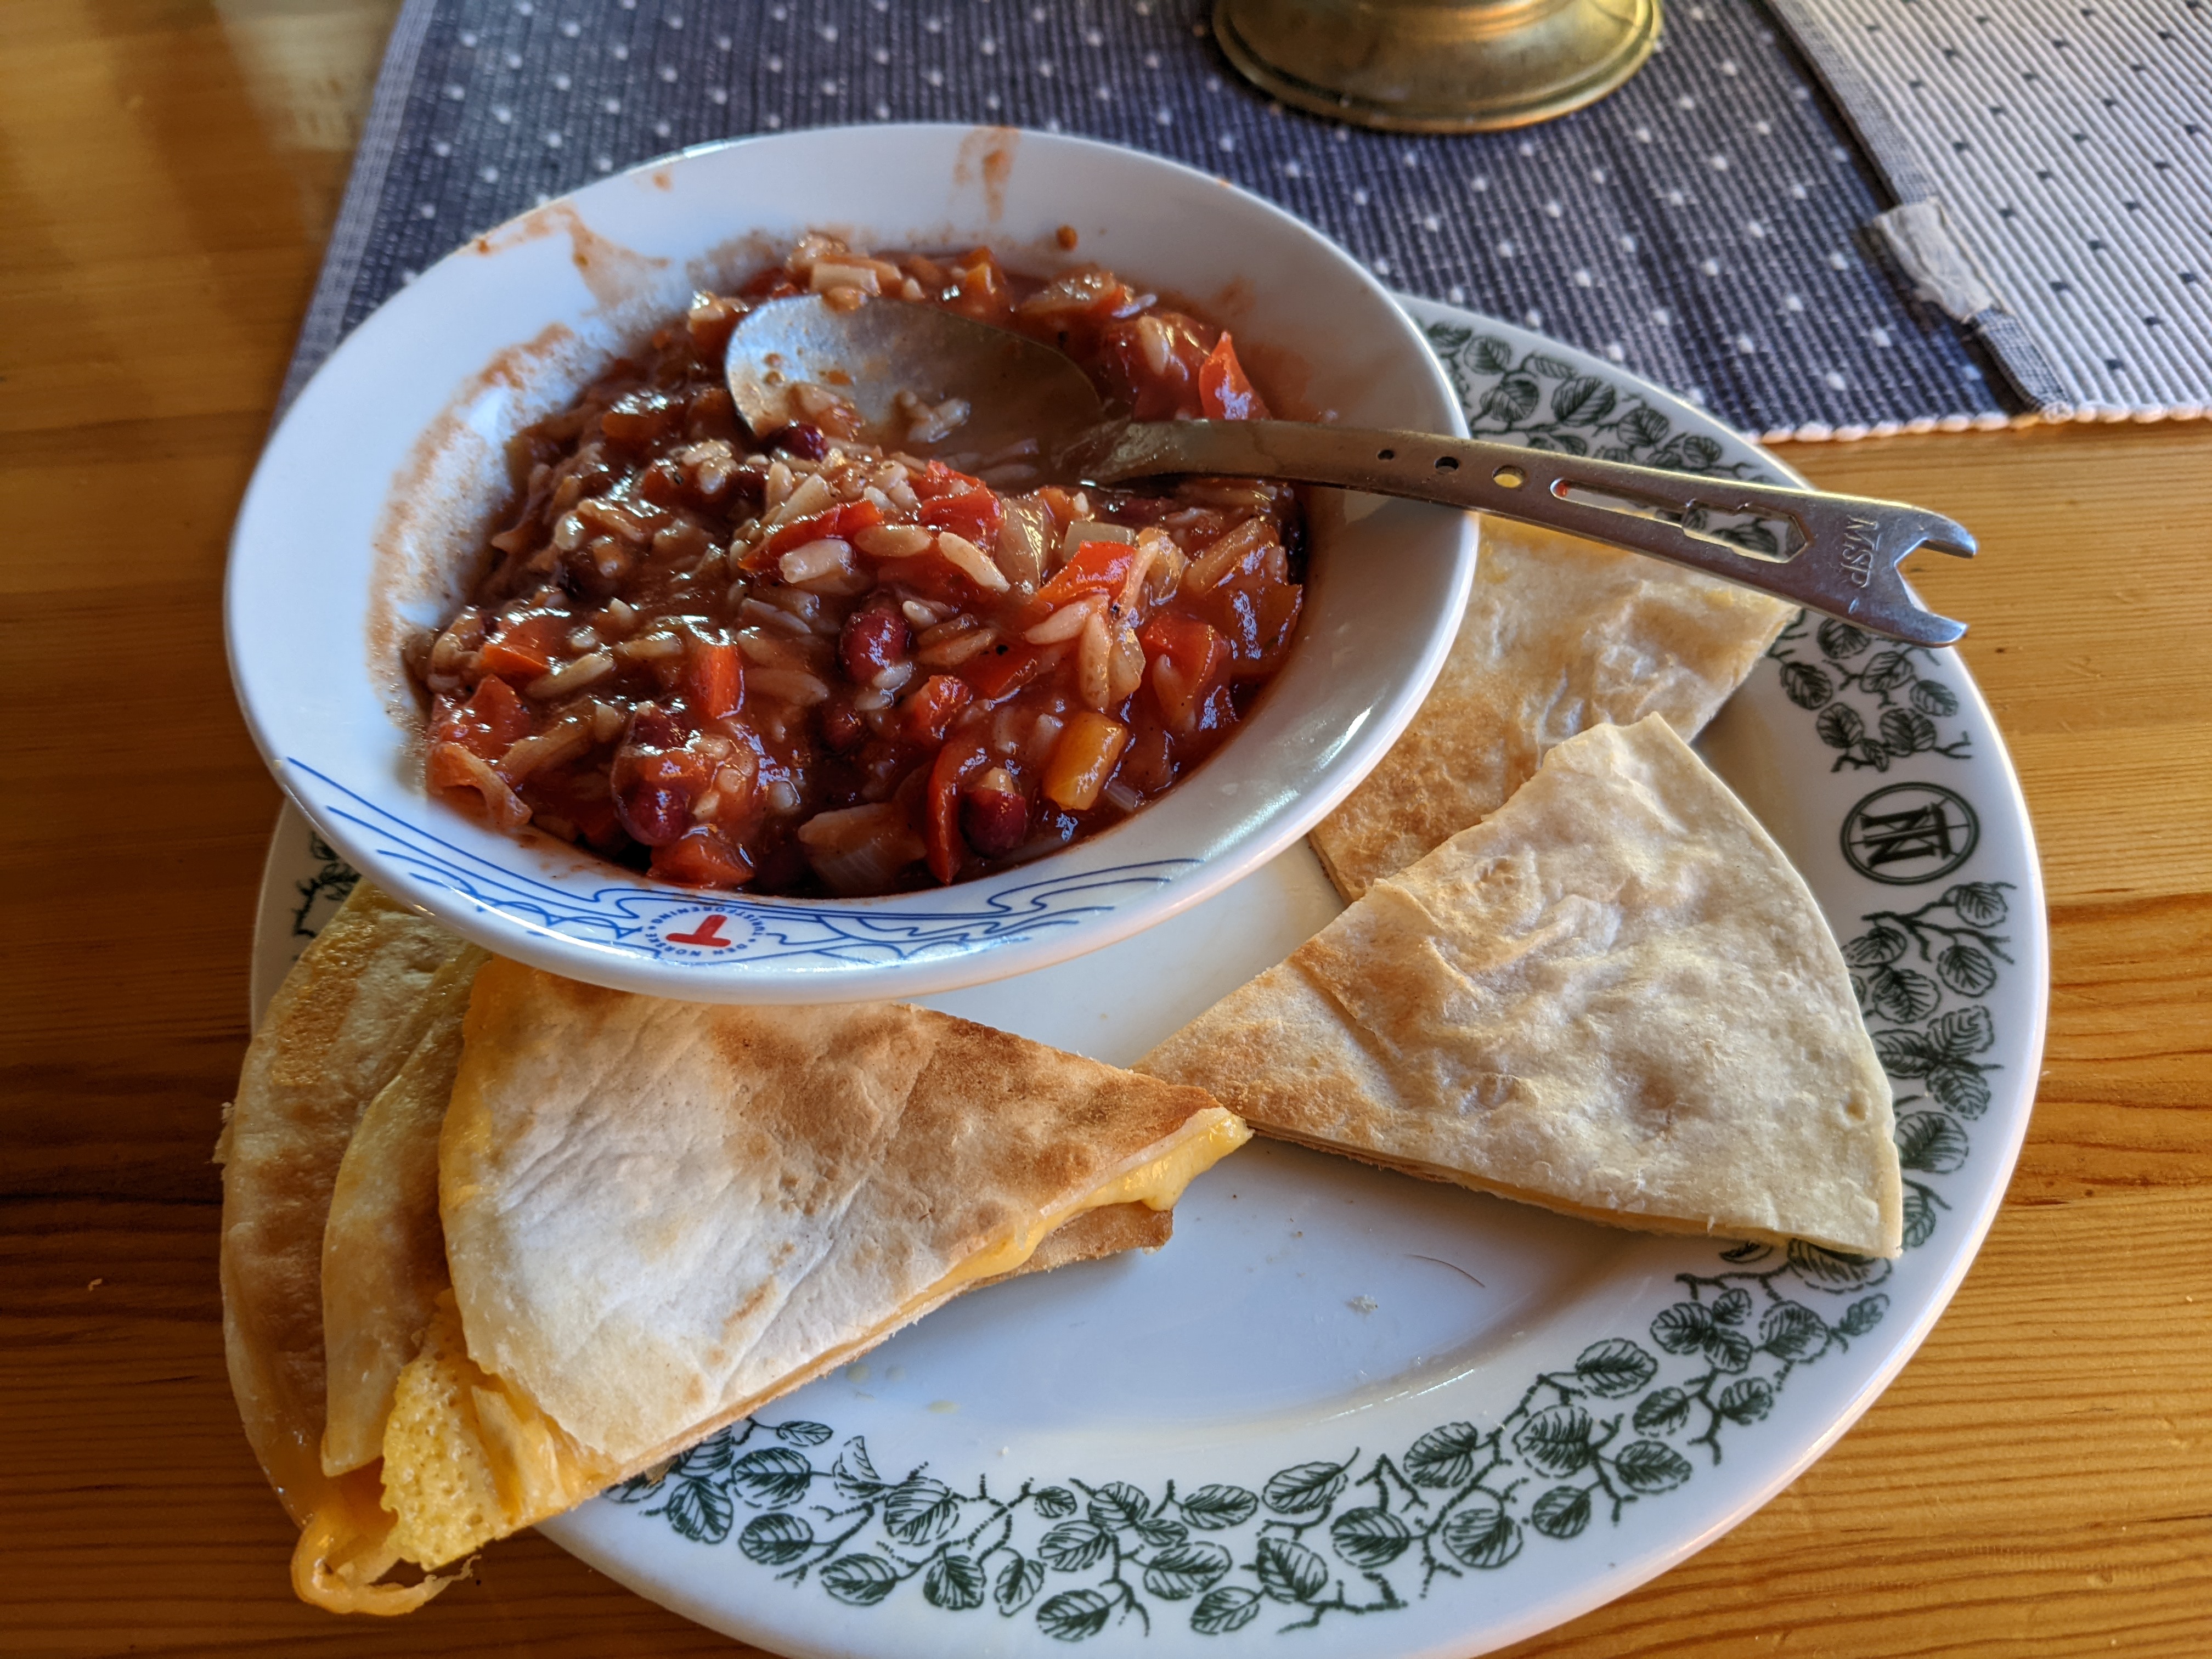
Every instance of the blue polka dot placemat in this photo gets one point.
(2053, 163)
(1710, 225)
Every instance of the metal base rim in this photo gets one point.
(1544, 103)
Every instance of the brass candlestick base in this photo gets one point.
(1437, 65)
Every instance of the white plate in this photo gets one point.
(371, 496)
(1345, 1413)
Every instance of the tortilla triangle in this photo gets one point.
(659, 1216)
(1614, 997)
(1559, 635)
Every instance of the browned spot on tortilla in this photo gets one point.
(427, 539)
(616, 275)
(987, 152)
(1067, 238)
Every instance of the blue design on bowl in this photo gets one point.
(669, 925)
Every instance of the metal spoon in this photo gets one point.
(1840, 554)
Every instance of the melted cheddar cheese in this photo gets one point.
(467, 1458)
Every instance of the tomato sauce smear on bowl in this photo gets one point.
(812, 663)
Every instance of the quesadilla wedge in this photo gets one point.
(384, 1250)
(1560, 635)
(346, 1018)
(657, 1217)
(1614, 997)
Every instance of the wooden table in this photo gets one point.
(2035, 1483)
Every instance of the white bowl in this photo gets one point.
(363, 512)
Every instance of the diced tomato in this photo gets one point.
(713, 681)
(1190, 661)
(844, 521)
(994, 673)
(702, 857)
(1096, 567)
(941, 828)
(928, 710)
(523, 650)
(488, 725)
(974, 514)
(1223, 391)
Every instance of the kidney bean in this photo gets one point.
(994, 817)
(875, 637)
(842, 725)
(801, 440)
(656, 779)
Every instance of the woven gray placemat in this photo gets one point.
(1707, 226)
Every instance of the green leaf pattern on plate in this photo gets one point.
(1876, 703)
(1630, 1419)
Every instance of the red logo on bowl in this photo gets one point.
(701, 931)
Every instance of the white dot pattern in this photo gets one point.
(1669, 227)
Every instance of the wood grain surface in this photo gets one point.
(2034, 1484)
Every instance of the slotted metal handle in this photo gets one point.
(1841, 560)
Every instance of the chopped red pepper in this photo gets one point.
(1190, 661)
(936, 479)
(1223, 391)
(488, 725)
(974, 514)
(940, 830)
(929, 710)
(702, 857)
(523, 650)
(843, 521)
(996, 672)
(713, 681)
(1096, 567)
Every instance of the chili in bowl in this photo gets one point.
(825, 712)
(807, 663)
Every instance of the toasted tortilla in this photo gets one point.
(659, 1216)
(384, 1252)
(1614, 997)
(346, 1018)
(1560, 635)
(340, 1025)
